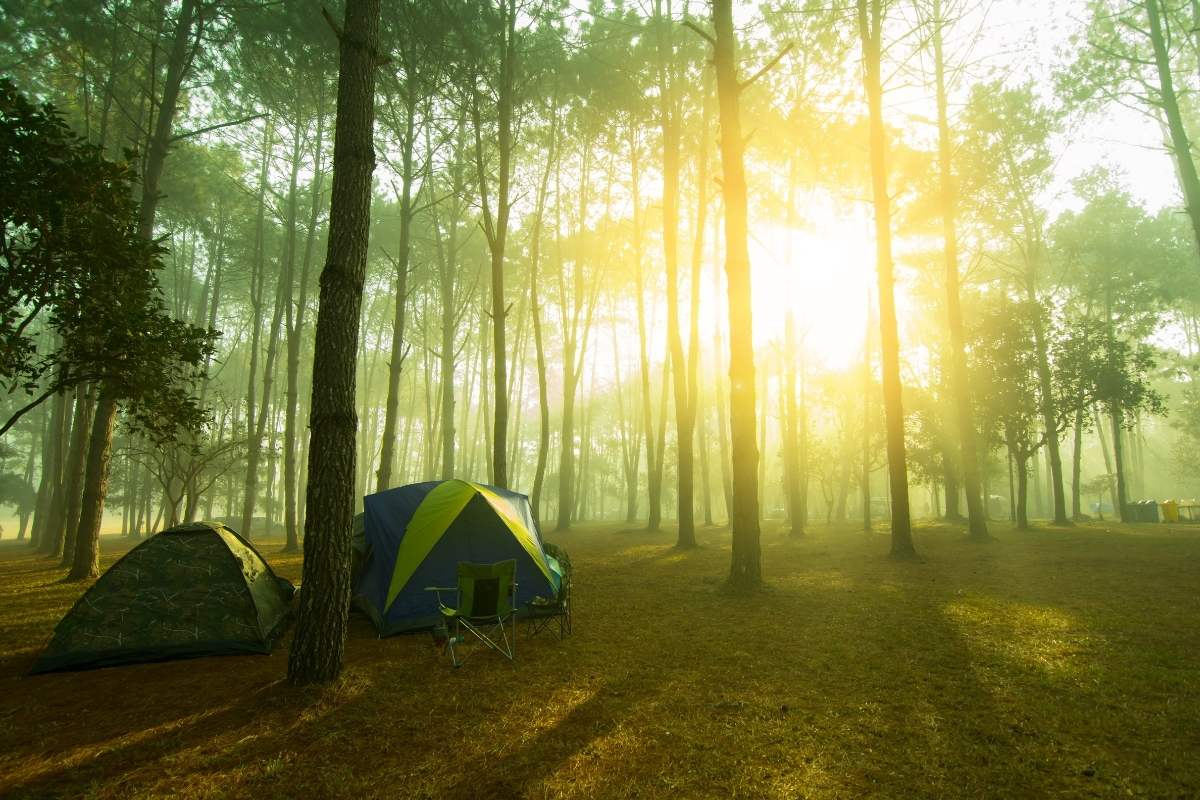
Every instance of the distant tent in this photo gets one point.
(194, 590)
(414, 536)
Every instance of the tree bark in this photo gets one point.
(959, 387)
(396, 359)
(179, 62)
(319, 642)
(257, 285)
(669, 122)
(1181, 147)
(65, 521)
(86, 560)
(1076, 464)
(870, 30)
(746, 567)
(1122, 495)
(295, 324)
(866, 431)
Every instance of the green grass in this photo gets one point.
(1054, 663)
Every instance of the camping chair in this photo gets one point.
(485, 604)
(542, 613)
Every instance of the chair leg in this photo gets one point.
(451, 640)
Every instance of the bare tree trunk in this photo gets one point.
(396, 359)
(1122, 494)
(653, 488)
(179, 61)
(535, 252)
(86, 560)
(959, 387)
(1076, 464)
(65, 522)
(316, 652)
(866, 431)
(669, 121)
(871, 30)
(1181, 148)
(746, 565)
(257, 286)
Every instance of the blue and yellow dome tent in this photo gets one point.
(414, 536)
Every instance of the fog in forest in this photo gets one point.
(792, 398)
(588, 172)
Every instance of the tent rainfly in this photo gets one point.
(193, 590)
(414, 536)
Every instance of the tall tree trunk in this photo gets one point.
(791, 432)
(1076, 463)
(295, 326)
(66, 519)
(258, 284)
(1049, 416)
(48, 519)
(496, 224)
(317, 648)
(1022, 512)
(396, 360)
(870, 30)
(179, 61)
(1109, 469)
(866, 431)
(1122, 501)
(535, 308)
(653, 488)
(669, 122)
(1181, 147)
(86, 558)
(959, 387)
(746, 567)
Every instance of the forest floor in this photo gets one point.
(1054, 663)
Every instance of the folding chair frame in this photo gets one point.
(484, 628)
(541, 617)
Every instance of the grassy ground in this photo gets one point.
(1057, 663)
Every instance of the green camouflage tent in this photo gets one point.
(194, 590)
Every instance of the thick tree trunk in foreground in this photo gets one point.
(746, 568)
(316, 653)
(86, 562)
(870, 30)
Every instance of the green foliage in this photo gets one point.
(15, 491)
(78, 286)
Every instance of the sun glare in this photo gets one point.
(822, 273)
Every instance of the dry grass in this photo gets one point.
(1059, 663)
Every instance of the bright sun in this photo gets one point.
(823, 273)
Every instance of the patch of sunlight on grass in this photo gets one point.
(550, 713)
(590, 771)
(643, 551)
(1037, 636)
(825, 579)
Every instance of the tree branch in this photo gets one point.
(216, 127)
(766, 67)
(700, 32)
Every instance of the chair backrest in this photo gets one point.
(485, 590)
